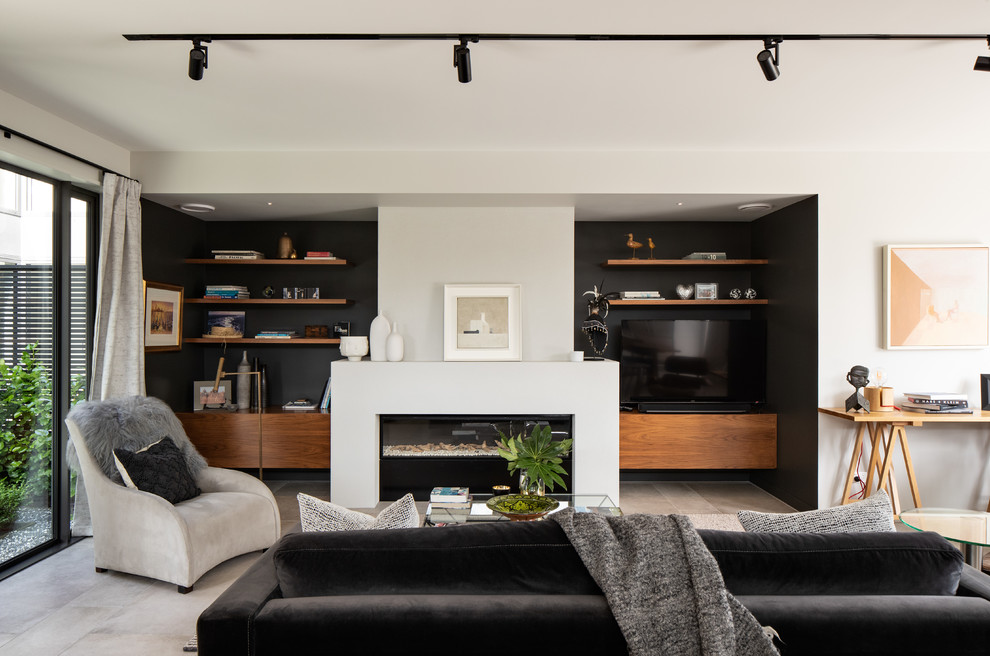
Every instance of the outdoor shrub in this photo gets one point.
(10, 501)
(26, 425)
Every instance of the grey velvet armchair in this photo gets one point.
(142, 533)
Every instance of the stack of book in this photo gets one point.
(319, 255)
(226, 291)
(633, 295)
(937, 403)
(277, 334)
(450, 497)
(325, 398)
(299, 404)
(238, 255)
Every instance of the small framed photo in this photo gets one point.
(706, 291)
(224, 323)
(204, 396)
(482, 322)
(162, 317)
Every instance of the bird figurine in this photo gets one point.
(649, 242)
(633, 245)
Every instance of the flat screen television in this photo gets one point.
(682, 365)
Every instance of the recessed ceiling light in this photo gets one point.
(196, 207)
(755, 207)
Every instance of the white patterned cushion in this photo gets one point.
(319, 515)
(872, 514)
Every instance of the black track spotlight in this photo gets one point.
(462, 61)
(197, 59)
(770, 61)
(982, 63)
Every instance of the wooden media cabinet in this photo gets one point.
(697, 441)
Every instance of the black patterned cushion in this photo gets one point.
(869, 515)
(159, 469)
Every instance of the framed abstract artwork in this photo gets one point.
(162, 317)
(936, 297)
(481, 322)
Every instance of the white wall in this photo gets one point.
(39, 124)
(422, 248)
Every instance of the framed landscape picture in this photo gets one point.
(936, 297)
(162, 317)
(482, 322)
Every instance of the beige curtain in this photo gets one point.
(118, 333)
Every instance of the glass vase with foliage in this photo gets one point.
(537, 458)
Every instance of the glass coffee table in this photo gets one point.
(480, 512)
(970, 528)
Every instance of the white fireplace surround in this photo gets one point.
(363, 391)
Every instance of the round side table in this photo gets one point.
(970, 528)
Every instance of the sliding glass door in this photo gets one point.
(45, 230)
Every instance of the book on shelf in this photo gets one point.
(277, 334)
(704, 255)
(227, 297)
(319, 254)
(937, 396)
(449, 494)
(635, 295)
(299, 404)
(236, 251)
(325, 398)
(226, 256)
(319, 257)
(954, 410)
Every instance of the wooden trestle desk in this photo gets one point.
(888, 428)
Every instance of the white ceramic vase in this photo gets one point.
(354, 347)
(377, 336)
(394, 344)
(244, 384)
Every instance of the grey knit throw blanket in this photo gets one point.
(663, 586)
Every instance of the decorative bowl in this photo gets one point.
(354, 347)
(522, 507)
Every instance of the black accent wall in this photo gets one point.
(168, 237)
(294, 371)
(789, 239)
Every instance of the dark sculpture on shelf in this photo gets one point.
(858, 377)
(594, 327)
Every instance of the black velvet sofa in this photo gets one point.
(519, 587)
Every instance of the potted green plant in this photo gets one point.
(537, 458)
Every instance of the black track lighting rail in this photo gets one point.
(475, 36)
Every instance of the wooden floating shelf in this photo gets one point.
(679, 263)
(254, 340)
(296, 262)
(677, 301)
(269, 301)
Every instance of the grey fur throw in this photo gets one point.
(663, 586)
(130, 423)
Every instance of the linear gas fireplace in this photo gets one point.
(419, 452)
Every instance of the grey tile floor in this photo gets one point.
(61, 606)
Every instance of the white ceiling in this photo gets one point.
(71, 60)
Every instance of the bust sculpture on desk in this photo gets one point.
(858, 377)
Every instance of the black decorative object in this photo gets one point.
(254, 382)
(268, 292)
(985, 391)
(594, 327)
(735, 293)
(750, 293)
(264, 386)
(858, 377)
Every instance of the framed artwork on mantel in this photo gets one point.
(162, 317)
(936, 297)
(482, 322)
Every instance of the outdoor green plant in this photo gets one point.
(538, 456)
(10, 500)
